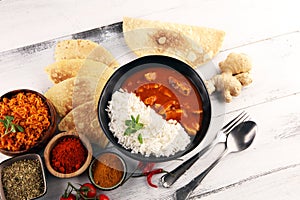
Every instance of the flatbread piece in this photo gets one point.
(191, 44)
(65, 69)
(62, 94)
(82, 49)
(84, 120)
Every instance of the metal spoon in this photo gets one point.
(168, 179)
(239, 139)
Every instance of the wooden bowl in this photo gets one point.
(52, 143)
(48, 134)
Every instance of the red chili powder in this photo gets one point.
(68, 155)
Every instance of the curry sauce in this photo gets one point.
(169, 93)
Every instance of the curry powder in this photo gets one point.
(108, 170)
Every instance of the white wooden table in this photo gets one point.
(268, 31)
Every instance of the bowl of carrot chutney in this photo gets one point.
(28, 120)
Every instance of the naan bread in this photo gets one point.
(82, 49)
(71, 93)
(191, 44)
(65, 69)
(86, 86)
(101, 83)
(100, 54)
(74, 49)
(84, 120)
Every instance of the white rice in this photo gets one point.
(160, 137)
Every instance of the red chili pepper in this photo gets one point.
(149, 180)
(156, 171)
(147, 170)
(151, 173)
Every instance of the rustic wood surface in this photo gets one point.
(268, 31)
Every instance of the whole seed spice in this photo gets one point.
(23, 180)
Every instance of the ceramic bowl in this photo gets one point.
(54, 141)
(108, 160)
(10, 161)
(120, 77)
(47, 134)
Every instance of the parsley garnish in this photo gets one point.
(10, 127)
(133, 126)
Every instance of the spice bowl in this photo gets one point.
(31, 168)
(68, 154)
(19, 141)
(107, 171)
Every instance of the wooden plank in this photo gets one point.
(280, 183)
(29, 22)
(243, 21)
(275, 74)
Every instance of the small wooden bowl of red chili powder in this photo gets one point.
(107, 171)
(68, 154)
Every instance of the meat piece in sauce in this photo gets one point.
(150, 100)
(193, 129)
(150, 76)
(181, 87)
(169, 105)
(174, 114)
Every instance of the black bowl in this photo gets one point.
(117, 79)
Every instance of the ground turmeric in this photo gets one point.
(108, 170)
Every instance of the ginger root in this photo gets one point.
(235, 73)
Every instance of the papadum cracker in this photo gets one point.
(191, 44)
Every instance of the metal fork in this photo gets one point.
(170, 178)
